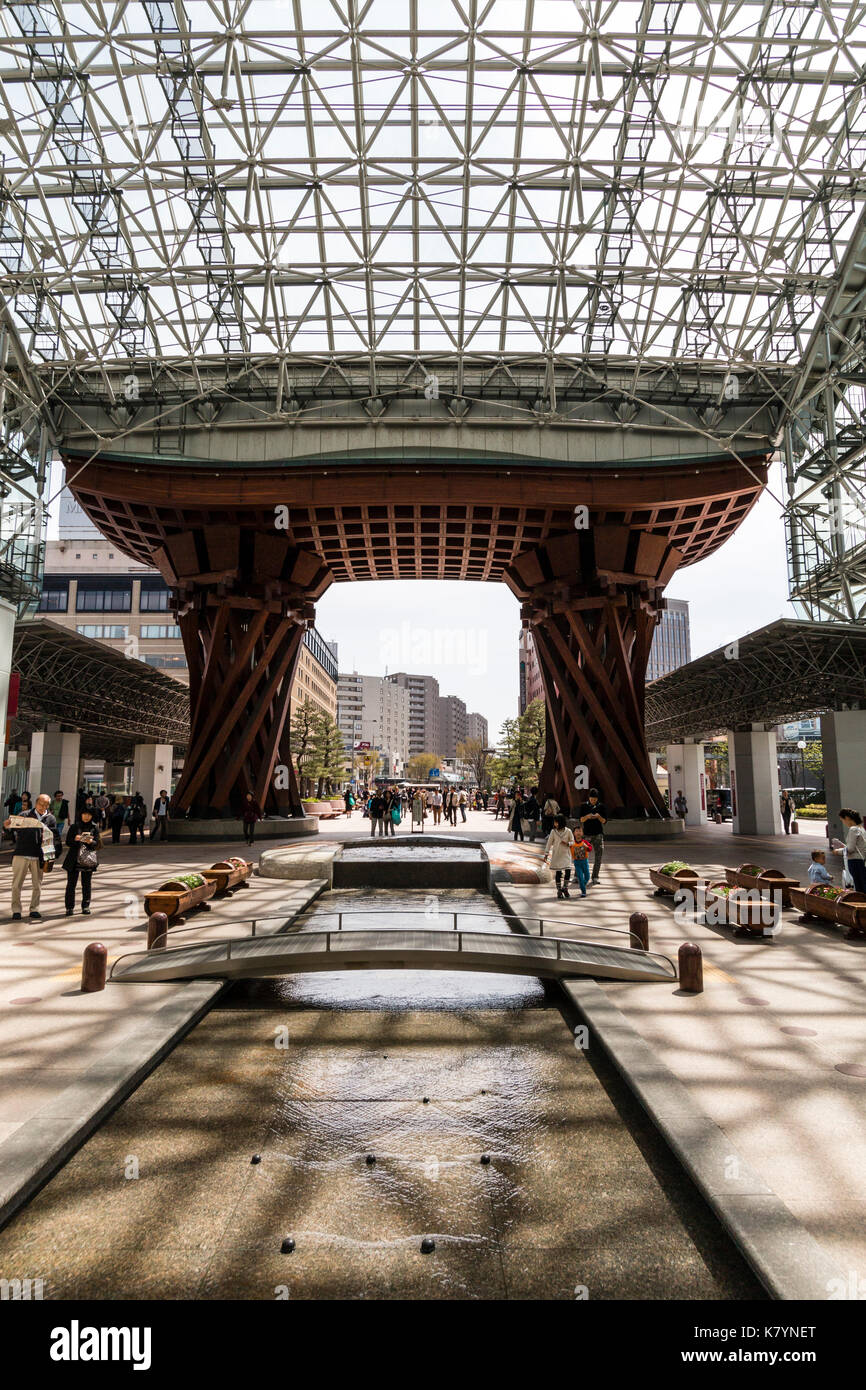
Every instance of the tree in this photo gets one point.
(532, 736)
(418, 766)
(329, 755)
(521, 746)
(472, 752)
(303, 741)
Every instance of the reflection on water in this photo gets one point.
(400, 989)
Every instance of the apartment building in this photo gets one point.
(373, 710)
(477, 728)
(452, 725)
(424, 734)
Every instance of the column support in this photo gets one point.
(755, 782)
(690, 779)
(243, 601)
(54, 758)
(591, 602)
(843, 735)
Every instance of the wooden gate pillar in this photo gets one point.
(591, 601)
(243, 601)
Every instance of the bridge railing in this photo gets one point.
(340, 942)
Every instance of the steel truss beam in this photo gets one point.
(241, 180)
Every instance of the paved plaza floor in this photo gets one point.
(774, 1049)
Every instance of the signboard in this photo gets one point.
(703, 791)
(363, 745)
(14, 692)
(74, 523)
(435, 772)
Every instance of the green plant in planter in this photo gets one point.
(720, 889)
(189, 880)
(673, 866)
(751, 869)
(823, 890)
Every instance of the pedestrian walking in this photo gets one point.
(557, 854)
(349, 802)
(515, 821)
(377, 814)
(116, 818)
(580, 859)
(462, 799)
(160, 817)
(531, 812)
(83, 841)
(251, 811)
(681, 809)
(593, 816)
(29, 855)
(393, 813)
(789, 808)
(136, 818)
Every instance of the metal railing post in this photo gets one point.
(327, 941)
(541, 926)
(339, 921)
(228, 948)
(455, 921)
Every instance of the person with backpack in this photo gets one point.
(83, 841)
(349, 802)
(557, 854)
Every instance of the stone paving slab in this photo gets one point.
(760, 1049)
(63, 1053)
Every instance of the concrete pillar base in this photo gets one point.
(152, 771)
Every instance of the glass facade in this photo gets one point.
(104, 596)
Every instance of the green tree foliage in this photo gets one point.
(329, 754)
(521, 747)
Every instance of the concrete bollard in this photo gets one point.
(639, 927)
(157, 930)
(93, 967)
(691, 968)
(717, 818)
(795, 829)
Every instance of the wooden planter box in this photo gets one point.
(744, 917)
(669, 883)
(768, 881)
(228, 873)
(848, 910)
(176, 898)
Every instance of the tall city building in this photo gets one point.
(373, 710)
(423, 691)
(94, 590)
(530, 687)
(671, 644)
(477, 728)
(452, 725)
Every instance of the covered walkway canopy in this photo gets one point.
(112, 701)
(785, 671)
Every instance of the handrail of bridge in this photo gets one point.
(341, 935)
(493, 914)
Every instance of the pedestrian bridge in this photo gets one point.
(497, 953)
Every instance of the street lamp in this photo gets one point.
(801, 744)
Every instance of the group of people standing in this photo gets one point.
(38, 845)
(564, 850)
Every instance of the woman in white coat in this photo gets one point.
(557, 854)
